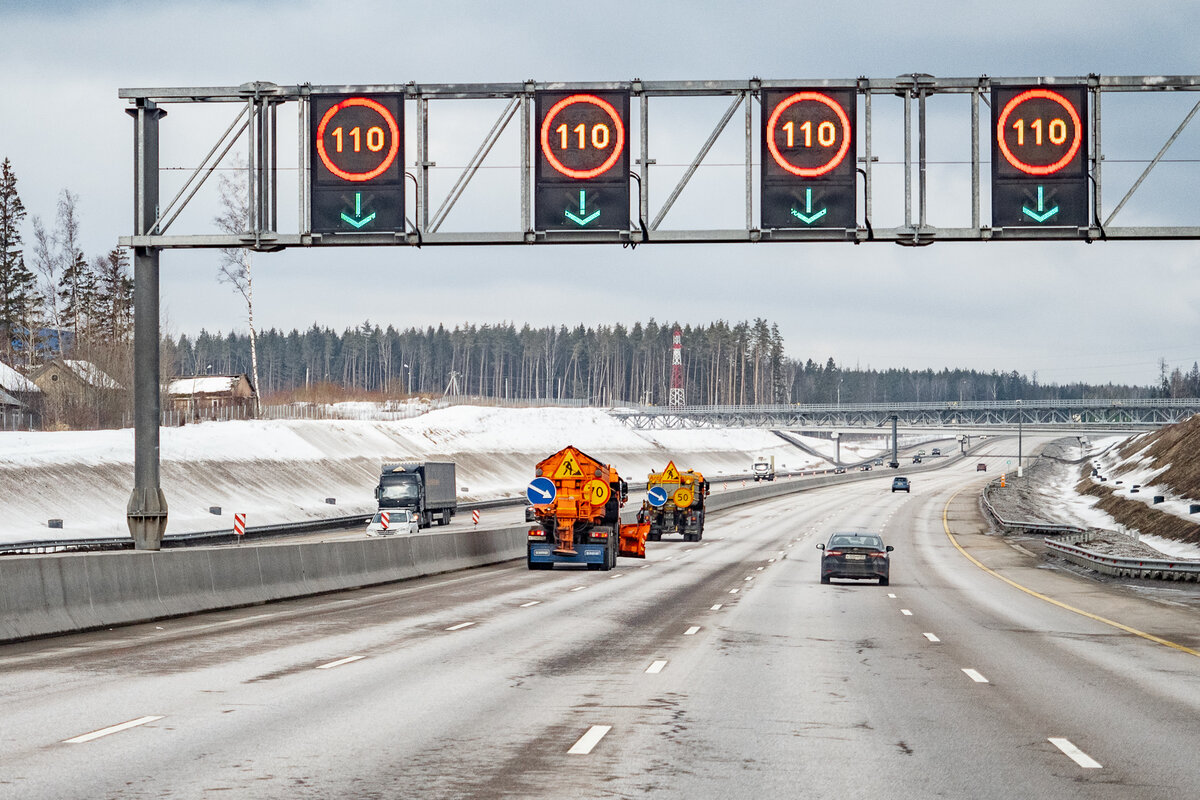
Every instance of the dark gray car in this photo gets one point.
(857, 556)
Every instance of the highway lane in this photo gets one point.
(709, 670)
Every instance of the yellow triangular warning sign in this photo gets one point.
(569, 468)
(670, 474)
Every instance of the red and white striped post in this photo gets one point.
(475, 517)
(239, 526)
(383, 519)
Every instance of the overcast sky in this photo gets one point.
(1069, 311)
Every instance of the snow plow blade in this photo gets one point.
(633, 540)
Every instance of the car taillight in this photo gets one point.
(833, 552)
(878, 555)
(537, 536)
(600, 536)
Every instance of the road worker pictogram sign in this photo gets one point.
(683, 497)
(670, 474)
(595, 492)
(569, 468)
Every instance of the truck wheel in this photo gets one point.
(444, 519)
(594, 567)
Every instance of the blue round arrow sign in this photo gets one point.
(541, 491)
(657, 496)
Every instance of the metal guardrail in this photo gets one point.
(1067, 544)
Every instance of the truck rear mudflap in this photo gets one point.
(633, 540)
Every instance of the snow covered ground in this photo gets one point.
(283, 471)
(1062, 502)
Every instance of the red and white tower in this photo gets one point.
(676, 398)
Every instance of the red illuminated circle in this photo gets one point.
(387, 159)
(800, 97)
(604, 106)
(1076, 140)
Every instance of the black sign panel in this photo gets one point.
(1039, 157)
(582, 166)
(357, 145)
(809, 158)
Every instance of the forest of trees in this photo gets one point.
(738, 364)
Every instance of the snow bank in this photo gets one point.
(282, 471)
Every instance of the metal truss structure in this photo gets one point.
(258, 104)
(1124, 414)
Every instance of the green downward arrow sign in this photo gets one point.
(358, 220)
(808, 218)
(1042, 214)
(579, 219)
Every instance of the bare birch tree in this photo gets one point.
(236, 265)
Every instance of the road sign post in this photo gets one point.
(582, 165)
(357, 157)
(808, 158)
(1039, 157)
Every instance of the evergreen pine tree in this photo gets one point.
(18, 286)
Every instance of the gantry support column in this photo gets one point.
(147, 509)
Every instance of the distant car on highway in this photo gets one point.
(917, 459)
(937, 451)
(400, 520)
(879, 462)
(894, 464)
(839, 470)
(865, 468)
(981, 467)
(855, 555)
(901, 485)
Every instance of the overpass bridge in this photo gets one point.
(1091, 414)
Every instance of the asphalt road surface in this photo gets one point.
(710, 670)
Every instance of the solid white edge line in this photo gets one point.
(691, 631)
(655, 668)
(974, 675)
(1074, 753)
(124, 726)
(340, 661)
(906, 612)
(460, 626)
(717, 607)
(931, 637)
(589, 740)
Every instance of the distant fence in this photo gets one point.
(387, 411)
(18, 420)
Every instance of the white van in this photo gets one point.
(399, 520)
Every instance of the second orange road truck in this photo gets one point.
(674, 504)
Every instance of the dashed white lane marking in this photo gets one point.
(770, 561)
(892, 596)
(643, 566)
(733, 591)
(758, 569)
(655, 668)
(1024, 550)
(668, 558)
(717, 607)
(578, 588)
(749, 577)
(618, 575)
(589, 740)
(691, 631)
(352, 659)
(460, 626)
(124, 726)
(931, 637)
(906, 612)
(975, 676)
(530, 603)
(1074, 753)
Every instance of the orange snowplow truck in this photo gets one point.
(580, 522)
